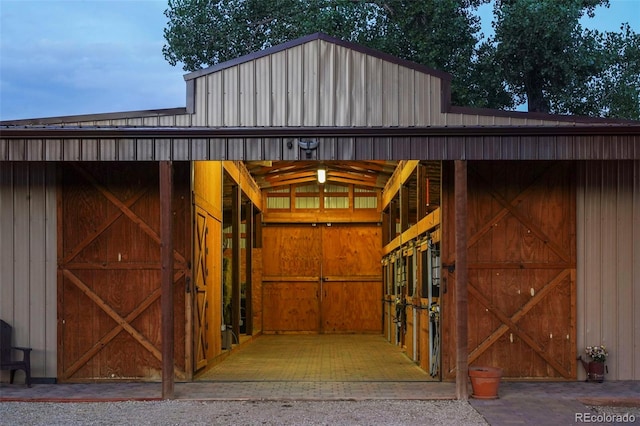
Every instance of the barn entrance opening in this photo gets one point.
(319, 255)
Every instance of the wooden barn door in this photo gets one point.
(291, 265)
(109, 271)
(521, 258)
(351, 279)
(322, 279)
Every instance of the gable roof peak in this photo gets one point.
(312, 37)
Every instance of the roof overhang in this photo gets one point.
(90, 132)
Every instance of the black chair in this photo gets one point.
(6, 350)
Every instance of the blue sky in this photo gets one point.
(66, 57)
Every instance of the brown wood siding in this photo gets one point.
(522, 255)
(109, 271)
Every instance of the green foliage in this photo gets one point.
(540, 54)
(548, 60)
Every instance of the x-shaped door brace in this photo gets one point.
(510, 323)
(123, 323)
(201, 273)
(511, 207)
(124, 209)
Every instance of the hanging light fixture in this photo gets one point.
(322, 175)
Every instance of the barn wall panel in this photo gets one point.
(247, 94)
(28, 260)
(608, 272)
(295, 77)
(310, 84)
(374, 96)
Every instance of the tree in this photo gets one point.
(441, 34)
(614, 91)
(549, 61)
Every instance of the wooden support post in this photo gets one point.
(236, 213)
(166, 278)
(462, 353)
(248, 311)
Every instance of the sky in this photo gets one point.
(67, 57)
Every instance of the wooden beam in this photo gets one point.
(400, 176)
(357, 216)
(241, 175)
(236, 212)
(428, 224)
(166, 278)
(462, 354)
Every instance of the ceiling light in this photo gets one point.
(322, 175)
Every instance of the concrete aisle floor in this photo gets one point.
(317, 358)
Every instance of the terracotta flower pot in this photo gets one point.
(485, 382)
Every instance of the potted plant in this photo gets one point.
(485, 382)
(595, 368)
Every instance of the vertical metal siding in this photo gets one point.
(311, 87)
(608, 270)
(358, 91)
(230, 98)
(28, 236)
(320, 83)
(263, 91)
(278, 93)
(407, 92)
(295, 76)
(390, 94)
(342, 91)
(327, 84)
(435, 104)
(248, 94)
(374, 99)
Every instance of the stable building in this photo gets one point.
(140, 242)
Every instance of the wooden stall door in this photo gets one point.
(109, 271)
(351, 288)
(521, 257)
(292, 258)
(206, 294)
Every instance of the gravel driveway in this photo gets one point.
(242, 413)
